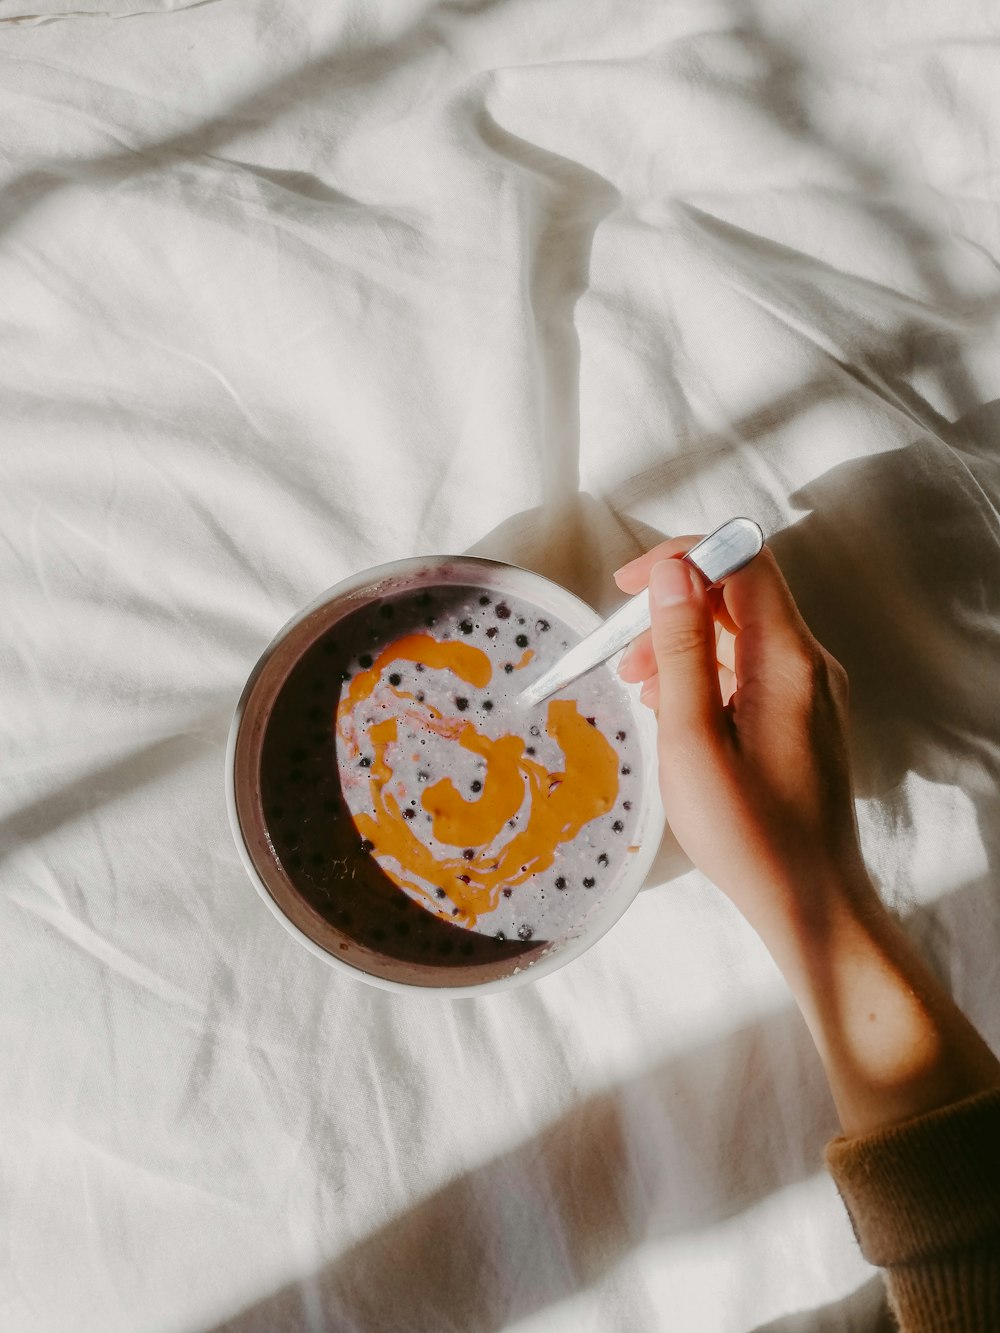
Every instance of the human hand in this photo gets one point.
(756, 785)
(754, 768)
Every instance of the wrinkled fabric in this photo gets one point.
(289, 290)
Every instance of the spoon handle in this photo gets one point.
(716, 556)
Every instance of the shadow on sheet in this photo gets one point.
(897, 569)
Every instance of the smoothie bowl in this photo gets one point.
(405, 816)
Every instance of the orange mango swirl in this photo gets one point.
(560, 803)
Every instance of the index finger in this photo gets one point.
(634, 576)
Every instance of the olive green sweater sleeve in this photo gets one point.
(924, 1198)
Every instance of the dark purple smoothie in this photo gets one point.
(362, 826)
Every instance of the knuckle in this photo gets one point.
(812, 675)
(679, 640)
(801, 667)
(839, 679)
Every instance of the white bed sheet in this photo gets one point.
(291, 289)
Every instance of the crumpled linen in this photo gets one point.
(288, 290)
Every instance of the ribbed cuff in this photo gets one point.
(957, 1294)
(925, 1188)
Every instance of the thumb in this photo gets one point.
(683, 636)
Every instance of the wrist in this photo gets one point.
(892, 1041)
(794, 910)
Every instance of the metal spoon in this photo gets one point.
(718, 555)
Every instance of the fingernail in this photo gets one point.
(648, 692)
(628, 565)
(670, 582)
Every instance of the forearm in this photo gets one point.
(758, 793)
(918, 1094)
(893, 1042)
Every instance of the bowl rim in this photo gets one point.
(595, 926)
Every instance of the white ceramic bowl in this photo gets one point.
(249, 826)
